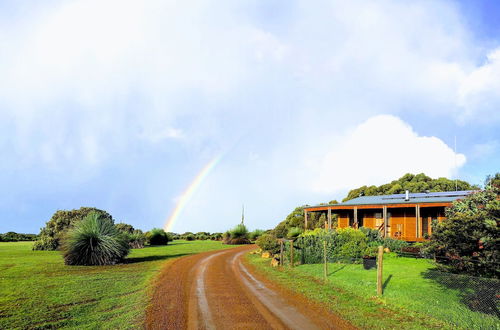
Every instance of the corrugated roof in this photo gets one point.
(415, 198)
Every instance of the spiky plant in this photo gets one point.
(240, 231)
(94, 241)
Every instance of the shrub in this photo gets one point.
(394, 244)
(125, 228)
(216, 236)
(157, 236)
(255, 234)
(46, 243)
(240, 231)
(189, 237)
(351, 244)
(94, 241)
(268, 242)
(16, 237)
(373, 235)
(201, 237)
(347, 245)
(294, 232)
(468, 239)
(136, 239)
(237, 235)
(60, 222)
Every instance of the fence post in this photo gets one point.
(291, 253)
(325, 267)
(281, 252)
(380, 262)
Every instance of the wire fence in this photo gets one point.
(460, 299)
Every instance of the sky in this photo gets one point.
(158, 110)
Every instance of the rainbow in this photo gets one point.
(189, 192)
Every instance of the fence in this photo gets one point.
(462, 300)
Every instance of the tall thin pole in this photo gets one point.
(456, 170)
(242, 213)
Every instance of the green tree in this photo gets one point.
(125, 228)
(413, 183)
(50, 236)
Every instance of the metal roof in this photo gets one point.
(414, 198)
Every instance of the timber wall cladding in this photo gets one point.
(369, 219)
(402, 223)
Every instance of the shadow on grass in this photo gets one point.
(477, 293)
(133, 260)
(388, 279)
(336, 270)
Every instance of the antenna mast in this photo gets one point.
(242, 213)
(456, 170)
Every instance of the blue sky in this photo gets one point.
(120, 104)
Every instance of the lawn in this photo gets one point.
(415, 296)
(38, 291)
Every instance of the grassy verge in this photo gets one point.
(412, 298)
(38, 291)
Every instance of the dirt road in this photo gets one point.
(215, 290)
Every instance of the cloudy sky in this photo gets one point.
(120, 104)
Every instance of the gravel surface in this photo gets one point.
(217, 290)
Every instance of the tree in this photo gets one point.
(55, 229)
(469, 237)
(413, 183)
(125, 228)
(94, 241)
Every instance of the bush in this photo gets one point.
(237, 235)
(294, 232)
(46, 243)
(189, 237)
(395, 245)
(373, 235)
(16, 237)
(216, 236)
(351, 244)
(136, 239)
(268, 242)
(157, 236)
(125, 228)
(255, 234)
(468, 239)
(240, 231)
(94, 241)
(55, 229)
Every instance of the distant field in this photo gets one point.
(413, 296)
(38, 291)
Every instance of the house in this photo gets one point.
(406, 216)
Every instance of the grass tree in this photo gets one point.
(94, 241)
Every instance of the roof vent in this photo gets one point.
(407, 195)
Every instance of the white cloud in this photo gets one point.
(88, 83)
(382, 149)
(479, 93)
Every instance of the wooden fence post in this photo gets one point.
(325, 267)
(281, 252)
(291, 253)
(380, 263)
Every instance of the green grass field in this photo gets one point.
(38, 291)
(413, 296)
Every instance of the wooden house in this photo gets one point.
(406, 216)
